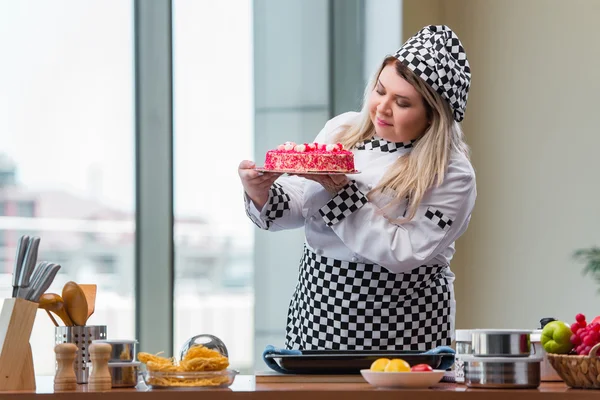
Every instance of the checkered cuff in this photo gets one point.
(437, 217)
(278, 202)
(345, 202)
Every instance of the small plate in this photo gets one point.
(413, 380)
(293, 172)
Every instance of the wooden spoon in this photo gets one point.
(90, 296)
(75, 303)
(53, 302)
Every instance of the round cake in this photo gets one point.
(310, 157)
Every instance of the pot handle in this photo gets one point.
(532, 347)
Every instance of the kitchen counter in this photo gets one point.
(246, 388)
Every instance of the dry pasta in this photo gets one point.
(205, 364)
(200, 351)
(197, 359)
(174, 381)
(156, 359)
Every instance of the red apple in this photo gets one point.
(421, 368)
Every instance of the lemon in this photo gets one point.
(397, 365)
(379, 364)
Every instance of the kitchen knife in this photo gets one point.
(35, 280)
(19, 259)
(45, 281)
(29, 262)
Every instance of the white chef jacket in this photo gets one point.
(366, 236)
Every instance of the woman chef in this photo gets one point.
(375, 271)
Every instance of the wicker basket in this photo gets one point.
(581, 372)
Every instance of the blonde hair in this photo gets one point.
(425, 166)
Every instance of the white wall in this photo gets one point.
(532, 121)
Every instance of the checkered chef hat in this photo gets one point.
(436, 55)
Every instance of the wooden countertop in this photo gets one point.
(245, 387)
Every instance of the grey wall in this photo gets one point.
(532, 123)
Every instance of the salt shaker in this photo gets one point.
(65, 378)
(100, 379)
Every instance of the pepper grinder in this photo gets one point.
(100, 379)
(65, 378)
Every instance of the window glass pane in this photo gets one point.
(67, 154)
(213, 114)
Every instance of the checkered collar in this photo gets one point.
(377, 143)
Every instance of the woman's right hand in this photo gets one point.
(256, 184)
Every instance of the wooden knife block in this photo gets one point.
(16, 361)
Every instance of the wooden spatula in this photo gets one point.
(75, 303)
(53, 302)
(89, 291)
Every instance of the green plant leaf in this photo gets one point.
(591, 258)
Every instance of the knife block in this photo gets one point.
(16, 361)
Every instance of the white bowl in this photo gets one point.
(402, 379)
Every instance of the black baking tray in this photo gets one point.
(350, 362)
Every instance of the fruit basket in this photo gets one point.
(581, 372)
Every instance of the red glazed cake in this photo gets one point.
(310, 157)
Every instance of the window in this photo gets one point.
(67, 156)
(26, 209)
(213, 109)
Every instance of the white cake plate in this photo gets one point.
(293, 172)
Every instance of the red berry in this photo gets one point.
(580, 317)
(575, 340)
(588, 340)
(583, 324)
(574, 327)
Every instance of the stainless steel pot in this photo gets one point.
(502, 372)
(124, 374)
(501, 343)
(122, 350)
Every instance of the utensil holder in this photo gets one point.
(82, 337)
(16, 361)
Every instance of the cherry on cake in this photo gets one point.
(310, 157)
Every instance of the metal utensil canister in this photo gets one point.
(82, 337)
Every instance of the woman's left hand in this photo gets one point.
(331, 183)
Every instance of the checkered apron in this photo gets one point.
(341, 305)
